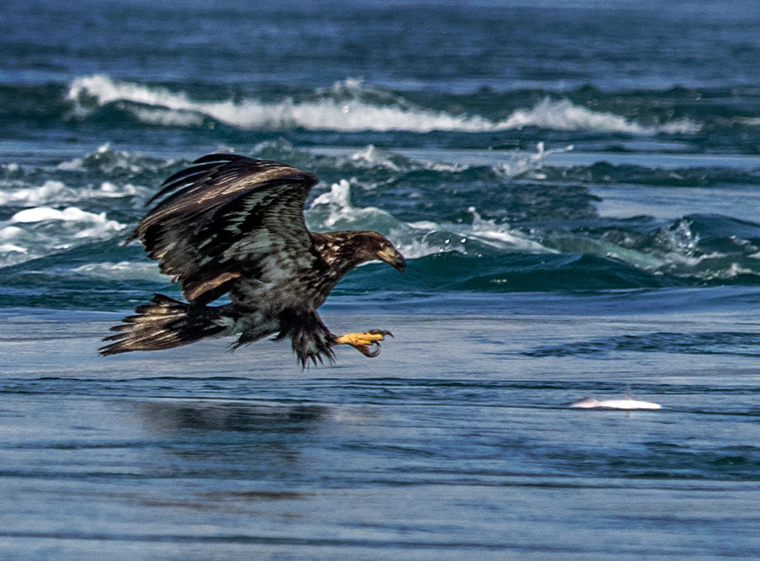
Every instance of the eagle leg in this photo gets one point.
(367, 343)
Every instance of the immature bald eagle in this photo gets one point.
(233, 225)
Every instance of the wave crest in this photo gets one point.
(349, 106)
(566, 116)
(39, 231)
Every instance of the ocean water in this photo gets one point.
(575, 185)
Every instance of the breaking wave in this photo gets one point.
(39, 231)
(56, 192)
(348, 106)
(695, 248)
(333, 210)
(511, 224)
(566, 116)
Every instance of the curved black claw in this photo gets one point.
(373, 349)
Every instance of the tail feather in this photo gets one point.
(163, 324)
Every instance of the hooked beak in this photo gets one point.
(393, 258)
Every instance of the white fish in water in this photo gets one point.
(627, 403)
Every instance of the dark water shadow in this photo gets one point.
(233, 441)
(171, 416)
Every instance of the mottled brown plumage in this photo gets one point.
(234, 225)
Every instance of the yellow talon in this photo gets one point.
(367, 343)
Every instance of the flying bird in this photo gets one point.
(231, 225)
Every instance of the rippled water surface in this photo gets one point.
(458, 442)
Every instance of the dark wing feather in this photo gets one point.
(229, 216)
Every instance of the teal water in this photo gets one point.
(575, 186)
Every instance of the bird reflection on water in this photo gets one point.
(166, 416)
(233, 441)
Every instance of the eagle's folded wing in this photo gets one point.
(229, 216)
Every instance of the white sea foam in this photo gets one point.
(10, 248)
(419, 239)
(17, 193)
(748, 121)
(122, 270)
(519, 162)
(322, 114)
(371, 157)
(341, 109)
(71, 165)
(77, 164)
(73, 214)
(39, 231)
(51, 190)
(168, 117)
(501, 236)
(83, 224)
(333, 210)
(338, 203)
(564, 115)
(12, 234)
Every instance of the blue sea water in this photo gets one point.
(575, 185)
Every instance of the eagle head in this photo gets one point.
(345, 250)
(377, 247)
(390, 255)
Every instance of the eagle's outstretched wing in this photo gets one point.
(226, 217)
